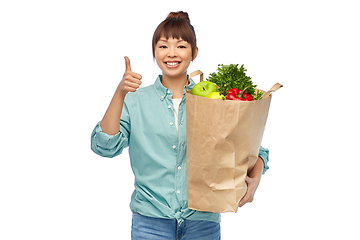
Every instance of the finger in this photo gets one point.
(247, 179)
(246, 197)
(135, 75)
(127, 64)
(244, 200)
(130, 78)
(130, 89)
(133, 84)
(129, 74)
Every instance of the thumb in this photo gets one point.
(127, 64)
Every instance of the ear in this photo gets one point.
(196, 53)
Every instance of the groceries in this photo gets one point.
(231, 84)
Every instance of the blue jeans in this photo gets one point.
(148, 228)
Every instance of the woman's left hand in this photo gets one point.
(252, 180)
(252, 185)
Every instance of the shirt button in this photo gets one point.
(171, 123)
(174, 146)
(169, 106)
(179, 168)
(162, 97)
(178, 191)
(168, 91)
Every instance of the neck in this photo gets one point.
(176, 84)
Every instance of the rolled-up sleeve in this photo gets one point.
(111, 145)
(264, 154)
(107, 145)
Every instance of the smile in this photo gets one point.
(172, 64)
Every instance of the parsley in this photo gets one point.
(234, 77)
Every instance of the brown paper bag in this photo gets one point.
(223, 142)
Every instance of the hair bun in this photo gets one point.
(179, 14)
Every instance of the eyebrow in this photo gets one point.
(165, 40)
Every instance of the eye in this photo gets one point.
(182, 46)
(163, 46)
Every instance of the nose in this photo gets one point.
(172, 52)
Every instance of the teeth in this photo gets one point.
(172, 63)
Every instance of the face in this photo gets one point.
(173, 56)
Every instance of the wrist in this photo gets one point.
(256, 172)
(120, 93)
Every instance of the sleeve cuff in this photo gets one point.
(104, 139)
(264, 154)
(104, 144)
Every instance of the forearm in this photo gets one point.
(110, 124)
(257, 170)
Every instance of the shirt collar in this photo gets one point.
(163, 92)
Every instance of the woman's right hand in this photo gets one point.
(131, 81)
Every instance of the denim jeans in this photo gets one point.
(149, 228)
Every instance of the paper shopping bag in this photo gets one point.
(223, 142)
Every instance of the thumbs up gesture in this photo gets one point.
(131, 81)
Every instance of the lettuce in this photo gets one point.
(233, 77)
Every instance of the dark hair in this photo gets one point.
(176, 25)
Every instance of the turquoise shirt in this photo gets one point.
(157, 154)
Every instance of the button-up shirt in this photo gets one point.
(157, 152)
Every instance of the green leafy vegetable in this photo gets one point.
(234, 77)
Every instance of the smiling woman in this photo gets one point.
(176, 25)
(160, 195)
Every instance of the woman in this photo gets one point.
(153, 125)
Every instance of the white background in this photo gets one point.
(60, 63)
